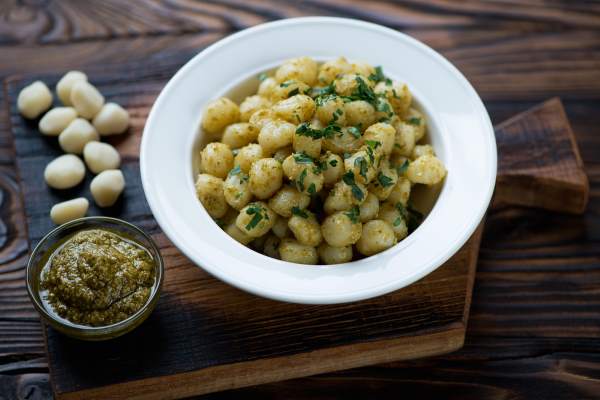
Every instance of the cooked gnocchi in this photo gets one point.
(318, 164)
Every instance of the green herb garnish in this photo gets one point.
(257, 212)
(286, 84)
(294, 92)
(302, 158)
(397, 221)
(262, 76)
(300, 181)
(333, 162)
(353, 214)
(235, 170)
(414, 121)
(361, 163)
(378, 75)
(402, 168)
(299, 212)
(312, 189)
(385, 180)
(354, 131)
(348, 179)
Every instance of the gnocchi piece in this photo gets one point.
(383, 110)
(76, 135)
(216, 159)
(247, 155)
(302, 69)
(427, 170)
(266, 177)
(383, 185)
(344, 196)
(209, 190)
(363, 165)
(421, 150)
(271, 246)
(296, 109)
(252, 104)
(236, 190)
(267, 87)
(107, 186)
(292, 251)
(391, 214)
(64, 172)
(69, 210)
(342, 228)
(381, 133)
(218, 114)
(334, 255)
(377, 236)
(239, 134)
(288, 88)
(275, 135)
(348, 84)
(405, 139)
(112, 119)
(309, 179)
(305, 227)
(65, 84)
(330, 109)
(56, 120)
(100, 156)
(359, 113)
(417, 120)
(283, 153)
(34, 99)
(307, 144)
(345, 142)
(401, 192)
(280, 228)
(232, 230)
(86, 99)
(369, 208)
(287, 198)
(397, 94)
(256, 219)
(331, 70)
(260, 118)
(334, 168)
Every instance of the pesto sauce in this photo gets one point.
(97, 277)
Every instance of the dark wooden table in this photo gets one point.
(535, 321)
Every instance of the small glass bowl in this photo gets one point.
(36, 263)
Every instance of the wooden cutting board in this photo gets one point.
(206, 336)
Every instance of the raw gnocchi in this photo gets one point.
(325, 158)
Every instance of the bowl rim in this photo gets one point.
(104, 329)
(295, 296)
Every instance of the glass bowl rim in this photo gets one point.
(94, 330)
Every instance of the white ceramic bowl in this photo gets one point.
(460, 131)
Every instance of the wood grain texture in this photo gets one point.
(539, 163)
(532, 331)
(205, 331)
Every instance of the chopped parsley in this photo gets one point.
(336, 115)
(299, 212)
(262, 76)
(312, 189)
(373, 143)
(304, 129)
(371, 155)
(412, 217)
(235, 170)
(353, 214)
(333, 162)
(384, 180)
(300, 180)
(383, 106)
(397, 221)
(401, 169)
(302, 158)
(361, 163)
(354, 131)
(378, 75)
(348, 179)
(414, 121)
(258, 214)
(286, 84)
(294, 92)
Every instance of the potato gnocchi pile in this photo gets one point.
(78, 125)
(319, 164)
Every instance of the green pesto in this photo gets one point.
(98, 277)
